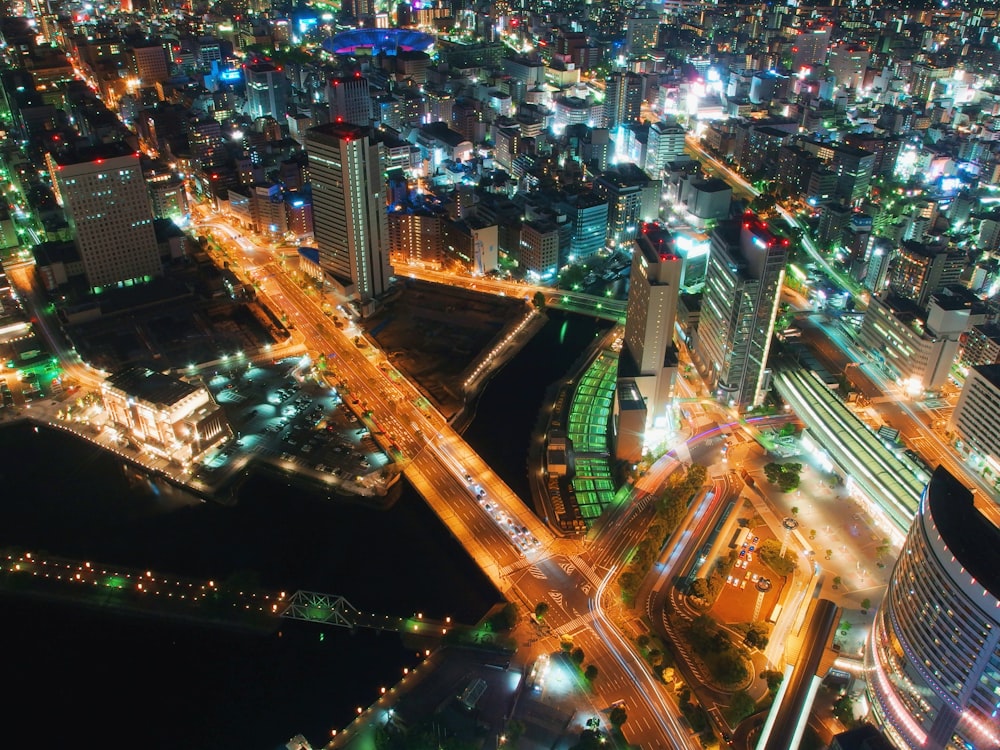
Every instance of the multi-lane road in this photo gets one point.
(488, 519)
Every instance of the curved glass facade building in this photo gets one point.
(933, 661)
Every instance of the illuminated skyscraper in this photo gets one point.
(648, 361)
(933, 658)
(742, 288)
(346, 168)
(267, 89)
(108, 210)
(622, 98)
(350, 100)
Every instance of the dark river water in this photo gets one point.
(80, 676)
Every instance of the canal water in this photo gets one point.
(82, 676)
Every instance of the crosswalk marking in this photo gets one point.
(586, 570)
(573, 625)
(506, 570)
(536, 573)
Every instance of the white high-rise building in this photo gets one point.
(108, 210)
(649, 357)
(350, 224)
(665, 144)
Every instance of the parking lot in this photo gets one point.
(750, 584)
(282, 415)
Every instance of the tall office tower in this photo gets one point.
(742, 288)
(854, 168)
(622, 98)
(809, 47)
(349, 213)
(507, 137)
(649, 357)
(665, 144)
(933, 657)
(107, 207)
(350, 100)
(267, 91)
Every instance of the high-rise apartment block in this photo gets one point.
(632, 198)
(417, 238)
(108, 210)
(350, 225)
(917, 271)
(622, 98)
(742, 289)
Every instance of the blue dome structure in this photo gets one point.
(389, 41)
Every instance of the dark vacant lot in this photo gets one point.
(433, 333)
(172, 335)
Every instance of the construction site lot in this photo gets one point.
(433, 333)
(174, 334)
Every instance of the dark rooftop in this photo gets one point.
(971, 538)
(990, 373)
(989, 330)
(150, 386)
(93, 153)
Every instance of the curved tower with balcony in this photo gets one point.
(933, 660)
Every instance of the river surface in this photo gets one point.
(82, 677)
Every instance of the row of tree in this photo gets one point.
(670, 509)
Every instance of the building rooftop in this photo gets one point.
(972, 538)
(712, 185)
(989, 330)
(150, 386)
(990, 373)
(95, 153)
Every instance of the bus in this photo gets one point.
(775, 613)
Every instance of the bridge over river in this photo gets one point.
(224, 602)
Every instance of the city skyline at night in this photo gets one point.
(253, 236)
